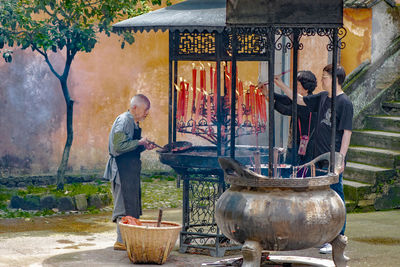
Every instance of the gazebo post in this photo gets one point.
(171, 43)
(271, 110)
(175, 98)
(233, 92)
(296, 44)
(333, 103)
(218, 45)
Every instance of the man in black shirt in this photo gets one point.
(321, 103)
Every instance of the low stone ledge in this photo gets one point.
(43, 180)
(79, 202)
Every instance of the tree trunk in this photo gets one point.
(70, 135)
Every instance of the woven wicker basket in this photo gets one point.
(148, 243)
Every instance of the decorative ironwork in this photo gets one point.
(251, 42)
(290, 33)
(192, 43)
(204, 194)
(283, 32)
(342, 32)
(200, 229)
(208, 132)
(324, 32)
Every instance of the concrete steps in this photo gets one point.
(358, 196)
(389, 123)
(371, 179)
(377, 139)
(392, 107)
(374, 156)
(373, 163)
(364, 173)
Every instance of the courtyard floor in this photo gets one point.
(87, 240)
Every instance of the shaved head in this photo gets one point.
(139, 100)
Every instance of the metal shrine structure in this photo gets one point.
(225, 32)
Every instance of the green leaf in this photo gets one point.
(69, 23)
(7, 57)
(25, 45)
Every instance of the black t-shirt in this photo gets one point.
(283, 104)
(321, 103)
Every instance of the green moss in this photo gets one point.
(379, 188)
(394, 12)
(161, 194)
(69, 189)
(158, 177)
(158, 191)
(349, 82)
(350, 193)
(93, 210)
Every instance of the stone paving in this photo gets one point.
(374, 240)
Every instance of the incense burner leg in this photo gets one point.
(338, 247)
(251, 251)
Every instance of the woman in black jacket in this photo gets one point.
(306, 84)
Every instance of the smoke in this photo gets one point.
(31, 109)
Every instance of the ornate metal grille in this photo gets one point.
(300, 32)
(204, 194)
(195, 44)
(200, 229)
(251, 43)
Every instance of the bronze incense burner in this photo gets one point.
(279, 214)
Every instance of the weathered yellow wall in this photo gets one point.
(358, 23)
(314, 56)
(109, 77)
(102, 82)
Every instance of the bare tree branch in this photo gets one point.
(46, 58)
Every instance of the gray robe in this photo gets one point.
(120, 142)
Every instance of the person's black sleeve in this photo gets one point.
(312, 101)
(283, 99)
(283, 104)
(346, 116)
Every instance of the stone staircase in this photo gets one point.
(374, 161)
(372, 175)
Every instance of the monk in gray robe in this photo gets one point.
(124, 165)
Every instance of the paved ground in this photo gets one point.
(81, 240)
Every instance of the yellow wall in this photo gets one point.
(358, 23)
(107, 78)
(102, 82)
(314, 56)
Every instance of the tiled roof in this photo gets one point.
(364, 3)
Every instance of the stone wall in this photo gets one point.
(385, 28)
(44, 180)
(68, 203)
